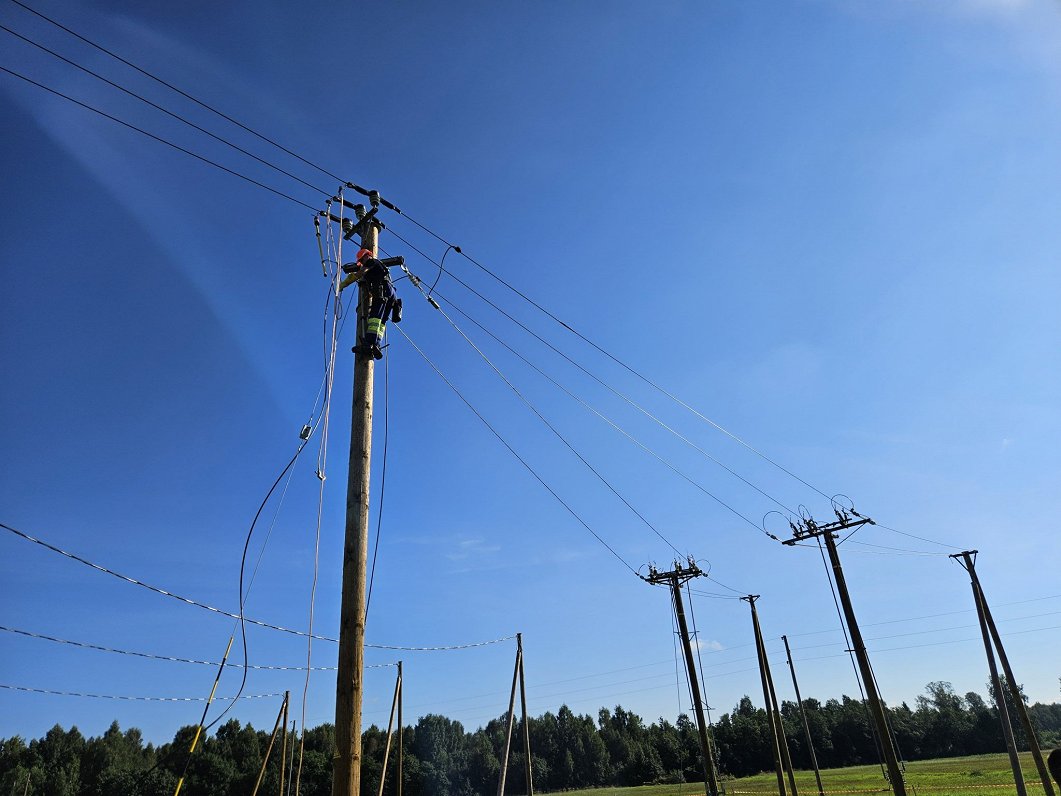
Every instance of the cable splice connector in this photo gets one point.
(374, 197)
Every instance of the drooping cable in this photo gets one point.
(519, 458)
(332, 335)
(130, 698)
(171, 658)
(154, 137)
(230, 615)
(383, 476)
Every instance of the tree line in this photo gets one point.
(441, 758)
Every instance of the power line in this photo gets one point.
(172, 87)
(601, 415)
(129, 698)
(204, 606)
(173, 658)
(512, 450)
(586, 371)
(161, 140)
(612, 357)
(555, 431)
(169, 113)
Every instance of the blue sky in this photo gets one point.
(829, 226)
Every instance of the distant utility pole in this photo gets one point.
(803, 716)
(967, 559)
(782, 760)
(850, 520)
(346, 774)
(676, 578)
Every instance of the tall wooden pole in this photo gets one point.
(346, 775)
(996, 683)
(710, 780)
(803, 715)
(876, 705)
(1014, 687)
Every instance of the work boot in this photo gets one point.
(396, 311)
(377, 352)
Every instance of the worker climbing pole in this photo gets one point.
(376, 302)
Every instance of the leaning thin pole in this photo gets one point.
(511, 717)
(390, 731)
(272, 740)
(803, 715)
(1018, 698)
(527, 767)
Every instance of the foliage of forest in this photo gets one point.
(569, 751)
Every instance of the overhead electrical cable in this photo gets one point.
(555, 431)
(212, 609)
(331, 335)
(592, 375)
(512, 450)
(161, 140)
(169, 113)
(172, 658)
(599, 414)
(612, 357)
(130, 698)
(172, 87)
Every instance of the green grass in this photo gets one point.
(955, 776)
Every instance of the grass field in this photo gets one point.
(957, 776)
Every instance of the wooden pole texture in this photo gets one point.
(511, 717)
(346, 778)
(272, 740)
(803, 716)
(527, 767)
(876, 705)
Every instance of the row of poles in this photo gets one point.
(518, 680)
(350, 680)
(681, 574)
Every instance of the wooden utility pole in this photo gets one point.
(850, 520)
(803, 716)
(988, 628)
(782, 761)
(401, 732)
(528, 772)
(676, 578)
(283, 743)
(511, 717)
(346, 773)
